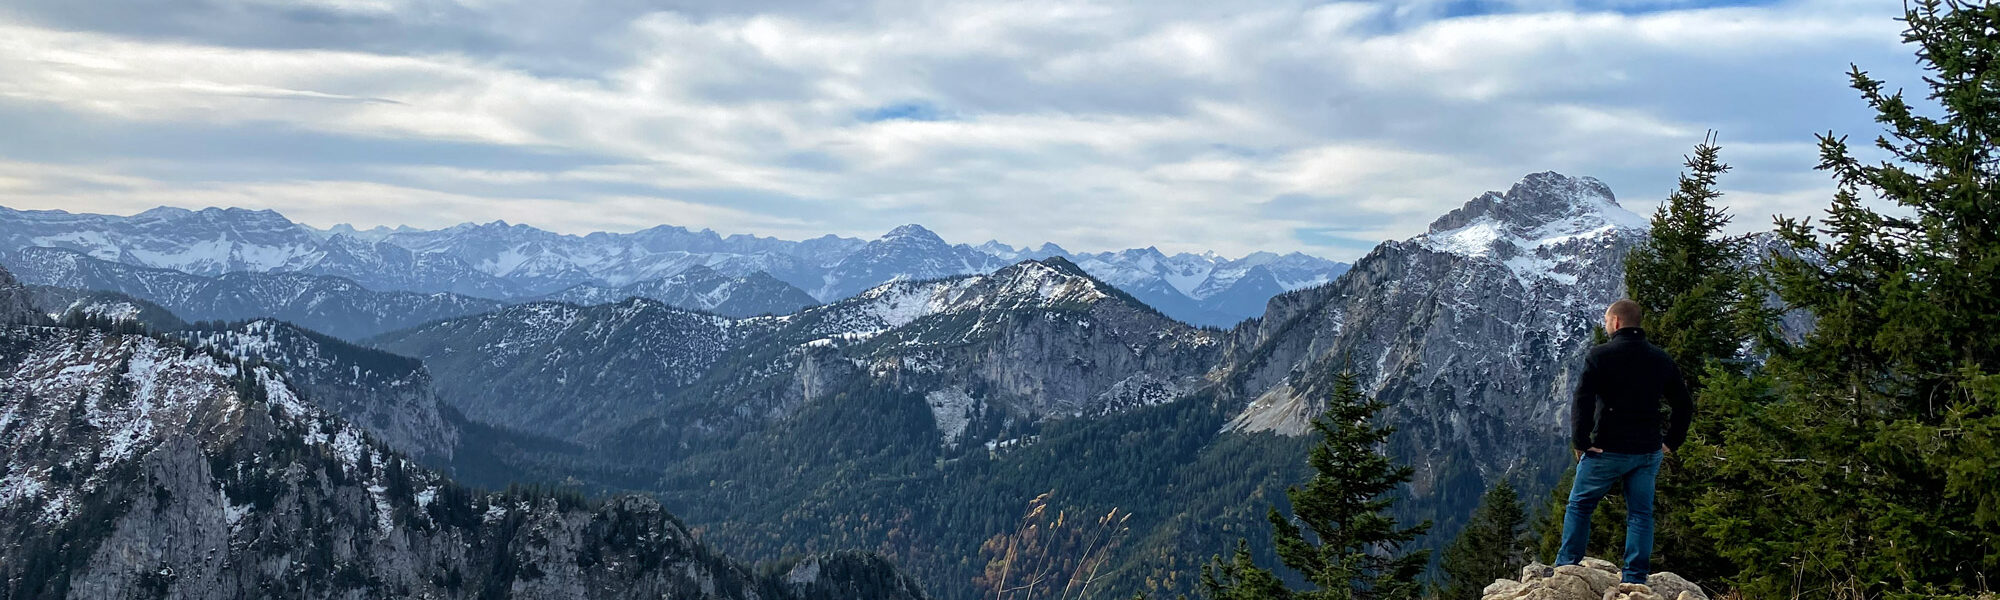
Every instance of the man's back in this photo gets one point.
(1617, 401)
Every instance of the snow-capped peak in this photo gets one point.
(1543, 209)
(913, 232)
(995, 248)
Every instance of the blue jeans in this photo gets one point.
(1594, 476)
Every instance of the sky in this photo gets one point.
(1190, 126)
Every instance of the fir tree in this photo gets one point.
(1860, 461)
(1687, 273)
(1490, 547)
(1342, 539)
(1239, 578)
(1691, 278)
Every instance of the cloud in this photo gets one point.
(1190, 126)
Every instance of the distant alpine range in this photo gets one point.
(735, 275)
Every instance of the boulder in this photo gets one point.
(1671, 587)
(1502, 587)
(1533, 572)
(1631, 591)
(1601, 565)
(1568, 582)
(1597, 579)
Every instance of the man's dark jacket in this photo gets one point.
(1617, 406)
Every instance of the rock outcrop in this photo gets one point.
(15, 304)
(1592, 580)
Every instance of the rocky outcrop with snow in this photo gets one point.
(137, 467)
(1595, 579)
(1470, 332)
(17, 303)
(389, 396)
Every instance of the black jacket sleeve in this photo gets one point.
(1583, 408)
(1682, 404)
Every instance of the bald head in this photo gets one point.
(1623, 313)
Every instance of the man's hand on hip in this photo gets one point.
(1579, 453)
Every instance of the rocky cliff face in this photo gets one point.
(65, 303)
(388, 396)
(1471, 332)
(17, 302)
(136, 467)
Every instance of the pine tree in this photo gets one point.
(1490, 547)
(1691, 278)
(1687, 273)
(1355, 548)
(1861, 461)
(1239, 578)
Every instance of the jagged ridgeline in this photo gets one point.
(736, 275)
(137, 466)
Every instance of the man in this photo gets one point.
(1619, 434)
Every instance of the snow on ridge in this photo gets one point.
(1536, 252)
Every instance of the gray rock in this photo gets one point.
(1503, 588)
(1631, 591)
(16, 304)
(1593, 579)
(1570, 582)
(1598, 580)
(1669, 585)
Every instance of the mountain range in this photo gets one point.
(914, 414)
(334, 305)
(137, 466)
(690, 269)
(976, 387)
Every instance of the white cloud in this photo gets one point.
(1099, 125)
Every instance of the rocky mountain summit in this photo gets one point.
(1471, 332)
(1201, 289)
(1593, 580)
